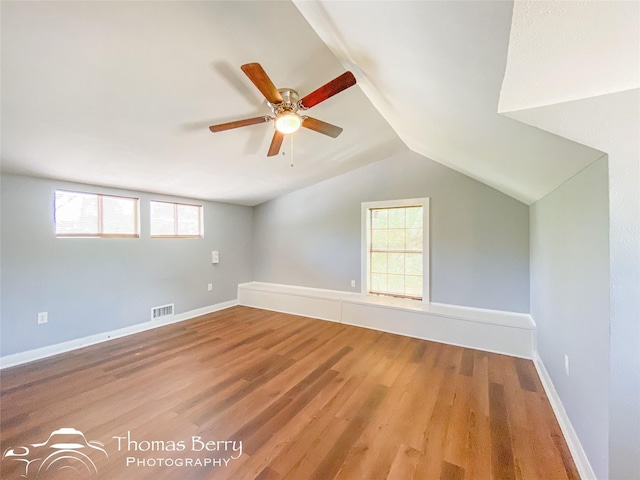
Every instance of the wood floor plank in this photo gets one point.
(435, 434)
(404, 463)
(526, 374)
(375, 451)
(479, 442)
(451, 472)
(281, 446)
(307, 399)
(333, 459)
(466, 365)
(502, 461)
(300, 394)
(457, 443)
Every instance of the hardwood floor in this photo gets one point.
(304, 398)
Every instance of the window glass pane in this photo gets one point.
(414, 217)
(379, 239)
(414, 239)
(175, 219)
(76, 213)
(379, 282)
(396, 217)
(188, 220)
(396, 239)
(396, 284)
(162, 218)
(379, 218)
(93, 215)
(119, 215)
(396, 263)
(379, 262)
(413, 264)
(413, 286)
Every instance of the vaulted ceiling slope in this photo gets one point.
(434, 70)
(121, 94)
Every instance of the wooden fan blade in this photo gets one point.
(321, 127)
(328, 90)
(276, 143)
(239, 123)
(261, 80)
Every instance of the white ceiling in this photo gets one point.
(565, 51)
(121, 93)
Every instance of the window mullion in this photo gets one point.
(175, 219)
(370, 250)
(136, 214)
(100, 212)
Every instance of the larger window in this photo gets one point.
(395, 248)
(80, 214)
(176, 220)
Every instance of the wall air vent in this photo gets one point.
(162, 311)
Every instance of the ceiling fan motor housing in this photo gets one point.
(289, 102)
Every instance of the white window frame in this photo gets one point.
(365, 217)
(175, 210)
(100, 233)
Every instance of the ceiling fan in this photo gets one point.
(285, 105)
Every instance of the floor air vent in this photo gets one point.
(162, 311)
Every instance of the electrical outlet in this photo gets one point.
(215, 257)
(210, 287)
(566, 364)
(353, 283)
(43, 317)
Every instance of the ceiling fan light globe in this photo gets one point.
(288, 122)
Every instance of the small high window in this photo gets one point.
(79, 214)
(176, 220)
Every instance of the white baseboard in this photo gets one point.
(573, 442)
(495, 331)
(50, 350)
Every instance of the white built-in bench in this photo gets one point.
(490, 330)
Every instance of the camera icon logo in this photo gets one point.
(66, 449)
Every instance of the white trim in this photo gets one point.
(495, 331)
(364, 240)
(570, 435)
(50, 350)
